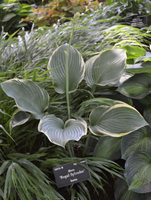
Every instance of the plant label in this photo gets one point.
(71, 173)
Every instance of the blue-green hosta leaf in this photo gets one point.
(28, 95)
(116, 121)
(108, 147)
(139, 139)
(105, 68)
(19, 118)
(121, 192)
(144, 67)
(138, 171)
(60, 133)
(76, 68)
(137, 86)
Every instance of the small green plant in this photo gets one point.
(11, 14)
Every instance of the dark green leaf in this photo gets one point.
(121, 192)
(138, 171)
(137, 86)
(108, 147)
(140, 139)
(147, 113)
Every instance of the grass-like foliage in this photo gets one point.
(26, 181)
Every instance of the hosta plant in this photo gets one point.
(89, 106)
(68, 71)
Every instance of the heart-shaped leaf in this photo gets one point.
(28, 95)
(105, 68)
(138, 171)
(108, 147)
(60, 133)
(137, 86)
(139, 139)
(76, 68)
(116, 120)
(144, 67)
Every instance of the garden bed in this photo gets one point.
(79, 90)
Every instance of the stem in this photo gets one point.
(93, 89)
(67, 75)
(87, 143)
(89, 134)
(74, 20)
(70, 150)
